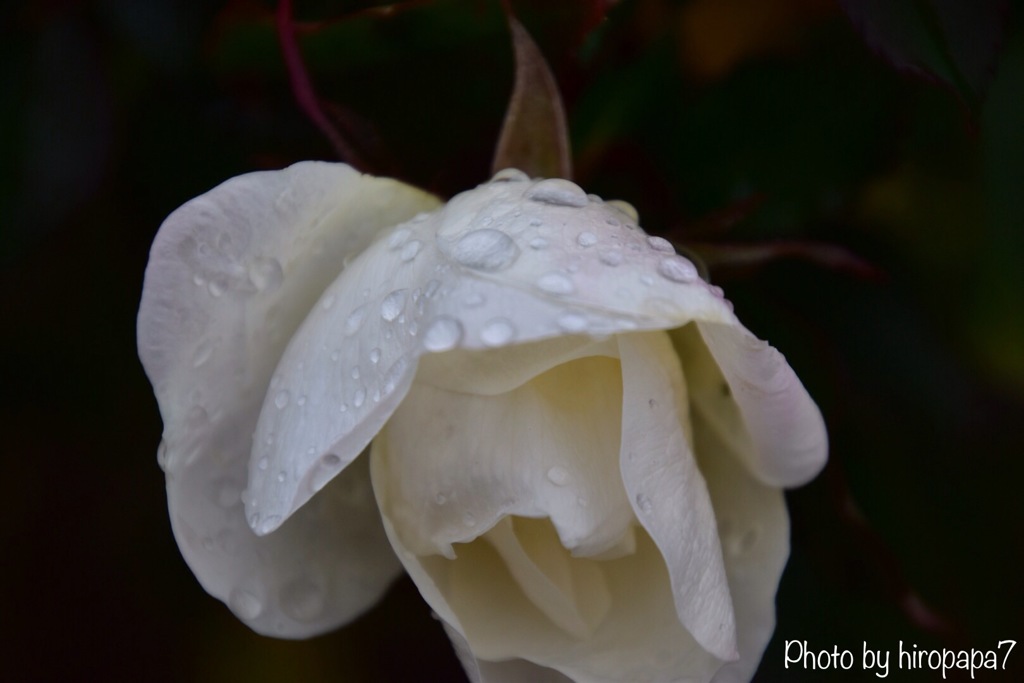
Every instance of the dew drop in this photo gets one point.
(375, 355)
(327, 302)
(245, 604)
(268, 524)
(266, 274)
(392, 305)
(555, 283)
(355, 320)
(586, 239)
(217, 286)
(572, 322)
(263, 464)
(559, 192)
(431, 288)
(660, 244)
(558, 476)
(469, 519)
(474, 300)
(398, 238)
(485, 249)
(443, 334)
(677, 269)
(282, 398)
(644, 503)
(510, 175)
(301, 401)
(611, 257)
(335, 355)
(302, 600)
(410, 250)
(359, 398)
(497, 332)
(355, 372)
(538, 243)
(282, 476)
(325, 471)
(440, 498)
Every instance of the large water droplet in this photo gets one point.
(282, 398)
(677, 269)
(411, 249)
(443, 334)
(559, 192)
(302, 600)
(586, 239)
(244, 604)
(485, 249)
(558, 476)
(510, 175)
(325, 470)
(393, 304)
(497, 332)
(355, 320)
(660, 244)
(555, 283)
(266, 274)
(625, 207)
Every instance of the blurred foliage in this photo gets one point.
(117, 111)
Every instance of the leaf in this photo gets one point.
(952, 42)
(534, 136)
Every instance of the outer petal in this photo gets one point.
(231, 274)
(667, 491)
(509, 262)
(766, 415)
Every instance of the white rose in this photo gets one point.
(577, 449)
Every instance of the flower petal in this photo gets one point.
(667, 491)
(765, 414)
(231, 274)
(510, 262)
(546, 449)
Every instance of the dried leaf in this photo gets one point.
(534, 136)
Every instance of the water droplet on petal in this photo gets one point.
(355, 320)
(269, 524)
(443, 334)
(325, 471)
(327, 302)
(469, 519)
(302, 600)
(359, 398)
(440, 498)
(263, 464)
(485, 249)
(282, 477)
(497, 332)
(474, 300)
(245, 604)
(555, 283)
(644, 503)
(398, 238)
(611, 257)
(355, 372)
(677, 269)
(572, 322)
(586, 239)
(507, 175)
(374, 355)
(558, 476)
(411, 249)
(538, 243)
(282, 398)
(559, 192)
(217, 286)
(266, 274)
(660, 244)
(392, 305)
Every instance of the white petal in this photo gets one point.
(754, 528)
(457, 463)
(770, 419)
(231, 274)
(471, 276)
(667, 490)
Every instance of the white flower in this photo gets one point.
(577, 449)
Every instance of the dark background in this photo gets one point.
(729, 122)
